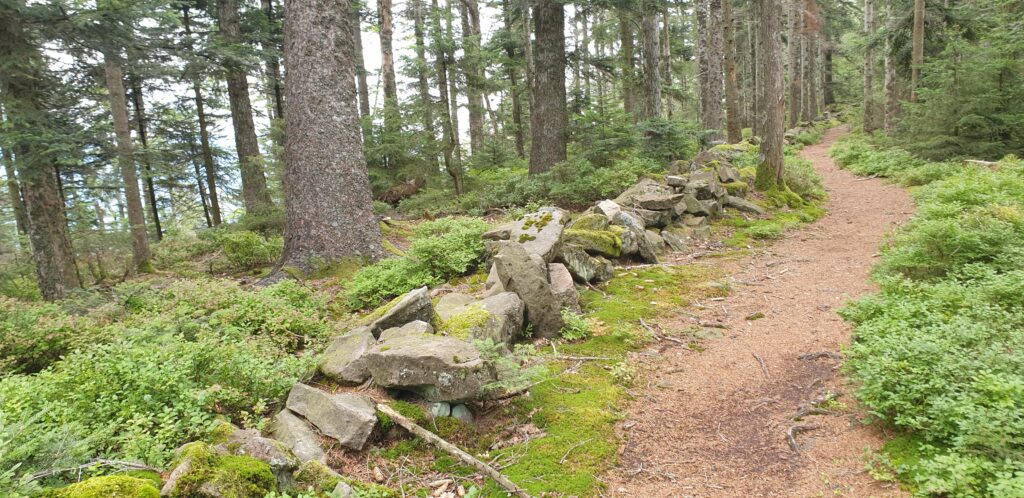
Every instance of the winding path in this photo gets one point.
(715, 423)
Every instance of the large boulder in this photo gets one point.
(728, 174)
(655, 242)
(704, 185)
(651, 218)
(453, 303)
(563, 288)
(199, 471)
(416, 327)
(540, 233)
(678, 239)
(498, 318)
(589, 222)
(436, 367)
(115, 486)
(713, 208)
(631, 241)
(676, 180)
(415, 305)
(297, 435)
(743, 205)
(346, 417)
(658, 202)
(690, 204)
(519, 274)
(608, 208)
(583, 267)
(343, 360)
(631, 196)
(628, 220)
(596, 242)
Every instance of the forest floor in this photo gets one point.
(717, 422)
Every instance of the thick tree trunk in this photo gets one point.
(449, 133)
(795, 74)
(626, 60)
(892, 103)
(328, 207)
(755, 72)
(917, 49)
(423, 81)
(652, 73)
(274, 87)
(139, 109)
(700, 14)
(734, 131)
(392, 119)
(204, 135)
(666, 61)
(810, 77)
(515, 90)
(869, 68)
(473, 72)
(126, 161)
(255, 195)
(549, 118)
(712, 98)
(770, 164)
(828, 90)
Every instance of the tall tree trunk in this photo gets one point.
(917, 49)
(524, 12)
(734, 132)
(126, 161)
(892, 104)
(700, 14)
(666, 61)
(473, 72)
(392, 119)
(626, 55)
(515, 90)
(328, 207)
(828, 89)
(274, 88)
(811, 79)
(794, 44)
(755, 71)
(147, 177)
(449, 133)
(362, 84)
(549, 118)
(652, 53)
(770, 165)
(255, 195)
(204, 134)
(713, 97)
(869, 67)
(200, 185)
(13, 189)
(453, 88)
(423, 81)
(584, 56)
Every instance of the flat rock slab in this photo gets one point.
(436, 367)
(343, 360)
(583, 267)
(415, 305)
(298, 436)
(743, 205)
(417, 327)
(497, 318)
(658, 202)
(540, 233)
(519, 274)
(348, 418)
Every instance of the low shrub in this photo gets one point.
(246, 250)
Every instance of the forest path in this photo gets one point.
(715, 423)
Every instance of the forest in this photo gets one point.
(322, 248)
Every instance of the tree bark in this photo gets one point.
(204, 134)
(734, 130)
(363, 86)
(652, 74)
(626, 55)
(795, 74)
(449, 137)
(666, 61)
(713, 96)
(423, 81)
(812, 27)
(126, 161)
(700, 14)
(917, 49)
(392, 119)
(274, 88)
(255, 195)
(828, 90)
(453, 90)
(328, 207)
(869, 68)
(515, 90)
(892, 104)
(473, 72)
(770, 164)
(549, 118)
(13, 189)
(200, 185)
(147, 177)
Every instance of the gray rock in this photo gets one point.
(656, 242)
(343, 490)
(540, 233)
(608, 208)
(675, 241)
(563, 288)
(713, 208)
(701, 233)
(503, 232)
(651, 218)
(692, 221)
(597, 242)
(298, 436)
(520, 275)
(743, 205)
(493, 281)
(452, 304)
(343, 360)
(628, 220)
(348, 418)
(647, 250)
(705, 185)
(436, 367)
(462, 413)
(593, 221)
(417, 327)
(658, 202)
(415, 305)
(250, 443)
(727, 174)
(691, 205)
(631, 241)
(676, 181)
(709, 158)
(583, 267)
(630, 196)
(498, 318)
(440, 409)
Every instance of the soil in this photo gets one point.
(715, 423)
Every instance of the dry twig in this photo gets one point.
(760, 361)
(797, 429)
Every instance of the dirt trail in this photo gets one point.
(713, 423)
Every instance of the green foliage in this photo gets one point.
(113, 486)
(575, 326)
(439, 250)
(939, 351)
(246, 250)
(18, 280)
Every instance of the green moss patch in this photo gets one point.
(463, 325)
(114, 486)
(603, 242)
(232, 476)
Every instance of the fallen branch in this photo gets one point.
(561, 461)
(582, 358)
(821, 354)
(122, 466)
(658, 336)
(453, 450)
(760, 361)
(797, 429)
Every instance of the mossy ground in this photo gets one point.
(744, 232)
(112, 486)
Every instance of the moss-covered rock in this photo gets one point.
(736, 188)
(200, 472)
(115, 486)
(598, 242)
(315, 476)
(590, 222)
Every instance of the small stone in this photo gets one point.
(440, 409)
(676, 181)
(342, 490)
(462, 413)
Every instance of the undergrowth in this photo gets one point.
(939, 351)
